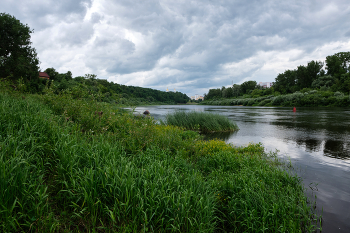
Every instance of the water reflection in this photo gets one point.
(310, 144)
(336, 149)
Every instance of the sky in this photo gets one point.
(189, 46)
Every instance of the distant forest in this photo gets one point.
(333, 76)
(110, 92)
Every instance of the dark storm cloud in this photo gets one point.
(191, 45)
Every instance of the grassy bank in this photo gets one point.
(200, 121)
(77, 165)
(311, 98)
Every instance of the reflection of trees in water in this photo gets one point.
(319, 131)
(331, 120)
(310, 144)
(336, 149)
(332, 148)
(218, 135)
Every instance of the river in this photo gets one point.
(315, 140)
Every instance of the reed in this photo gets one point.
(200, 121)
(63, 170)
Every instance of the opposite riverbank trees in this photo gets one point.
(309, 85)
(304, 98)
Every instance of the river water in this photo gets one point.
(315, 140)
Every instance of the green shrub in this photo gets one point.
(338, 94)
(264, 102)
(251, 102)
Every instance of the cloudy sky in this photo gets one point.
(191, 46)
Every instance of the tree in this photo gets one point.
(323, 81)
(285, 82)
(227, 92)
(17, 58)
(213, 93)
(236, 90)
(305, 75)
(248, 86)
(52, 73)
(338, 64)
(69, 75)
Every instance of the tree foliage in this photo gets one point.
(213, 93)
(305, 75)
(248, 86)
(323, 81)
(17, 57)
(338, 64)
(90, 86)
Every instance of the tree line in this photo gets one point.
(110, 91)
(20, 65)
(331, 75)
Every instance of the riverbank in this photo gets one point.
(82, 165)
(312, 98)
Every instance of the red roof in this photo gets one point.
(43, 75)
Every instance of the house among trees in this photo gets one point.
(265, 84)
(197, 97)
(44, 75)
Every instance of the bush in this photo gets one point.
(251, 102)
(265, 102)
(313, 92)
(338, 94)
(278, 100)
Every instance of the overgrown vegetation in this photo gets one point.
(81, 165)
(200, 121)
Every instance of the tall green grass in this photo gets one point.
(66, 168)
(201, 121)
(26, 134)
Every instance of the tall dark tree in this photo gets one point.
(227, 93)
(248, 86)
(17, 57)
(236, 90)
(314, 70)
(285, 82)
(338, 64)
(305, 75)
(213, 93)
(52, 73)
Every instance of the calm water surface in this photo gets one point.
(316, 140)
